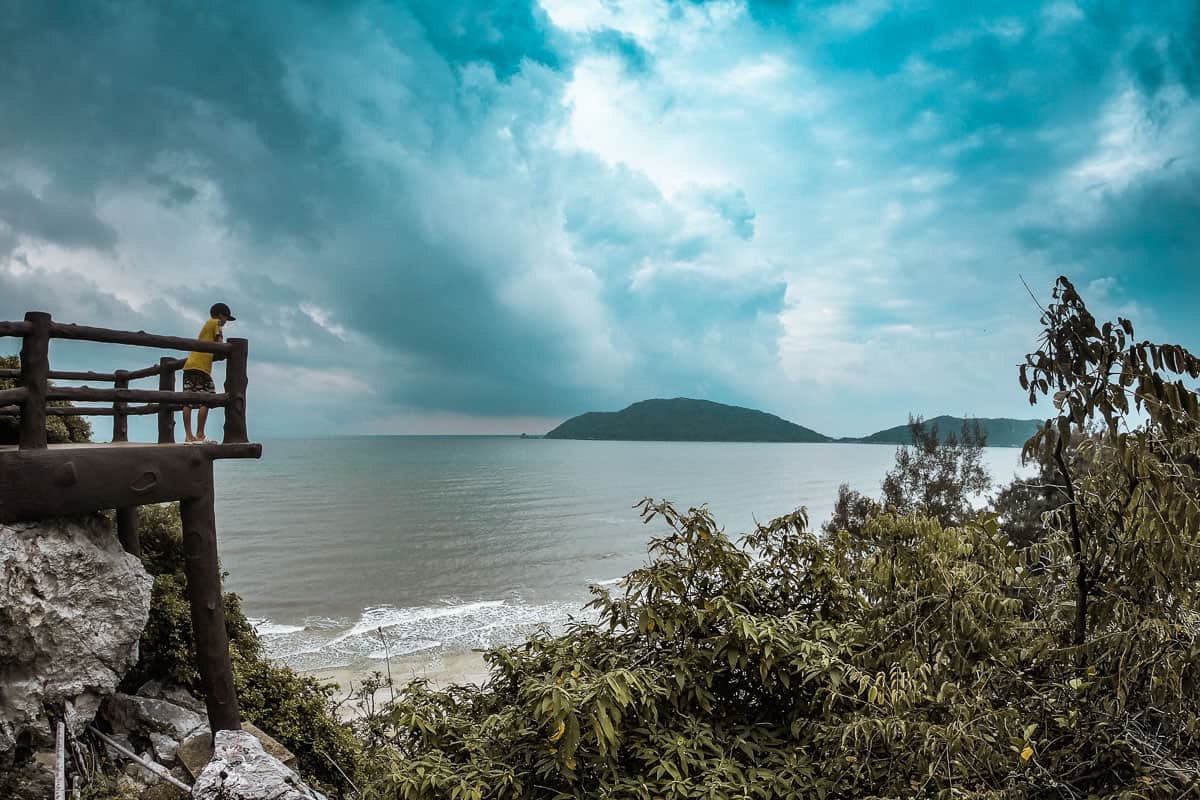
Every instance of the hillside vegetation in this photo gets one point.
(998, 431)
(1045, 647)
(684, 420)
(917, 657)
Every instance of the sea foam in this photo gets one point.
(383, 631)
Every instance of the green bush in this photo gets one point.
(293, 708)
(914, 659)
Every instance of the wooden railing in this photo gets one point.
(29, 399)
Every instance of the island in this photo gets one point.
(1000, 431)
(683, 419)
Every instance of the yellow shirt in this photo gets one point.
(211, 332)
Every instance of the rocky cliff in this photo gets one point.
(72, 608)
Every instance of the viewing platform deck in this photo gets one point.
(40, 480)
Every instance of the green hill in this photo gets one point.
(684, 420)
(1001, 432)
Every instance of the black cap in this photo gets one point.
(221, 308)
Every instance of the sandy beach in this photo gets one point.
(441, 671)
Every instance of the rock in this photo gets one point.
(72, 608)
(142, 716)
(165, 748)
(140, 774)
(196, 750)
(271, 745)
(161, 690)
(30, 781)
(241, 770)
(113, 753)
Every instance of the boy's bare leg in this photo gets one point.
(201, 418)
(187, 423)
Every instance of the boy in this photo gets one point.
(197, 371)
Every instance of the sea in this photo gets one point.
(348, 551)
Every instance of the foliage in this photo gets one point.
(1129, 534)
(999, 432)
(851, 511)
(58, 429)
(896, 663)
(293, 708)
(684, 420)
(936, 476)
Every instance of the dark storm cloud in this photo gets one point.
(60, 219)
(169, 94)
(403, 191)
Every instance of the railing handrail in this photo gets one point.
(94, 411)
(103, 377)
(87, 333)
(29, 400)
(59, 330)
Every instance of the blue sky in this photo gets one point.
(455, 216)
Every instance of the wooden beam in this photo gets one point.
(138, 338)
(82, 411)
(155, 369)
(51, 482)
(166, 416)
(208, 611)
(85, 393)
(14, 328)
(127, 530)
(235, 390)
(35, 368)
(121, 409)
(63, 375)
(15, 395)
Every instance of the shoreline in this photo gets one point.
(441, 671)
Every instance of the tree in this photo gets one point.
(933, 477)
(893, 663)
(938, 478)
(851, 512)
(1131, 525)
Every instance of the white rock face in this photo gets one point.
(72, 608)
(127, 713)
(241, 770)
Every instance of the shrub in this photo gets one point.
(293, 708)
(936, 477)
(894, 663)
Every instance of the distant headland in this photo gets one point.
(683, 419)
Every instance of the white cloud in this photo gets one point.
(856, 16)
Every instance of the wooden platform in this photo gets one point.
(77, 478)
(212, 451)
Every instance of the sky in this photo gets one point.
(448, 216)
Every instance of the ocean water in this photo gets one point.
(345, 550)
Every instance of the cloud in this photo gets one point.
(465, 211)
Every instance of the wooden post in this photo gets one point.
(235, 388)
(60, 762)
(166, 415)
(127, 530)
(120, 419)
(208, 614)
(35, 377)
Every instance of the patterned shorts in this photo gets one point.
(196, 380)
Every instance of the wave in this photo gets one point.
(389, 631)
(266, 628)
